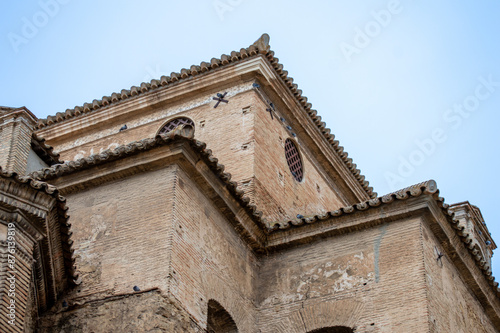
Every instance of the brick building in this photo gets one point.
(215, 199)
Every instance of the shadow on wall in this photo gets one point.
(335, 329)
(219, 320)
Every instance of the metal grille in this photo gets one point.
(174, 123)
(293, 159)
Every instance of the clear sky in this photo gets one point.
(410, 88)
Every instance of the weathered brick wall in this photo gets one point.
(16, 286)
(141, 312)
(209, 259)
(120, 233)
(7, 132)
(157, 230)
(452, 306)
(277, 193)
(372, 279)
(16, 279)
(227, 130)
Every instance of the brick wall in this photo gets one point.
(277, 193)
(120, 233)
(15, 142)
(372, 280)
(209, 259)
(16, 278)
(159, 230)
(140, 312)
(227, 130)
(452, 306)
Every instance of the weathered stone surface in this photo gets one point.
(141, 312)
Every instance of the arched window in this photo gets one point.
(333, 329)
(294, 160)
(219, 320)
(172, 124)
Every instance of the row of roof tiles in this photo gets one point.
(44, 151)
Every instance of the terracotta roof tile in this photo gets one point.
(44, 151)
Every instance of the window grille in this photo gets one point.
(293, 159)
(172, 124)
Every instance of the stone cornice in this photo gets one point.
(14, 113)
(32, 183)
(27, 198)
(12, 213)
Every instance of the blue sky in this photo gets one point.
(411, 89)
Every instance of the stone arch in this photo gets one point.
(214, 288)
(333, 329)
(321, 317)
(219, 320)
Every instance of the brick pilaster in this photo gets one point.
(16, 128)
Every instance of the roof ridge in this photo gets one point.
(427, 187)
